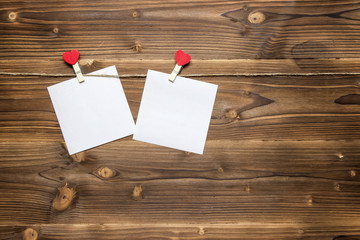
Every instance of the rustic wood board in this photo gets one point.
(282, 155)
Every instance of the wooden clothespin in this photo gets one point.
(72, 58)
(181, 60)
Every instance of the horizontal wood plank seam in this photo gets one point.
(185, 75)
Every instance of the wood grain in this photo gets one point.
(282, 155)
(208, 29)
(259, 181)
(184, 231)
(262, 108)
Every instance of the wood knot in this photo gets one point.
(64, 198)
(187, 154)
(106, 172)
(201, 231)
(135, 14)
(137, 193)
(231, 114)
(12, 16)
(79, 157)
(337, 187)
(309, 200)
(90, 62)
(256, 17)
(137, 47)
(55, 30)
(30, 234)
(246, 93)
(352, 173)
(221, 170)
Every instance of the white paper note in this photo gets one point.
(93, 112)
(175, 115)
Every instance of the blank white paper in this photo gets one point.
(93, 112)
(175, 115)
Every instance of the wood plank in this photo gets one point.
(184, 231)
(254, 108)
(234, 181)
(281, 159)
(286, 29)
(196, 68)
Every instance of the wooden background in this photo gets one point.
(282, 157)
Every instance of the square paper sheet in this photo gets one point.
(93, 112)
(175, 115)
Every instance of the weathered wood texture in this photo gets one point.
(257, 108)
(183, 231)
(282, 159)
(207, 28)
(306, 182)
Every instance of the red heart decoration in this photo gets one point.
(182, 58)
(71, 57)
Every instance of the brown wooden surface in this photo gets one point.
(282, 158)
